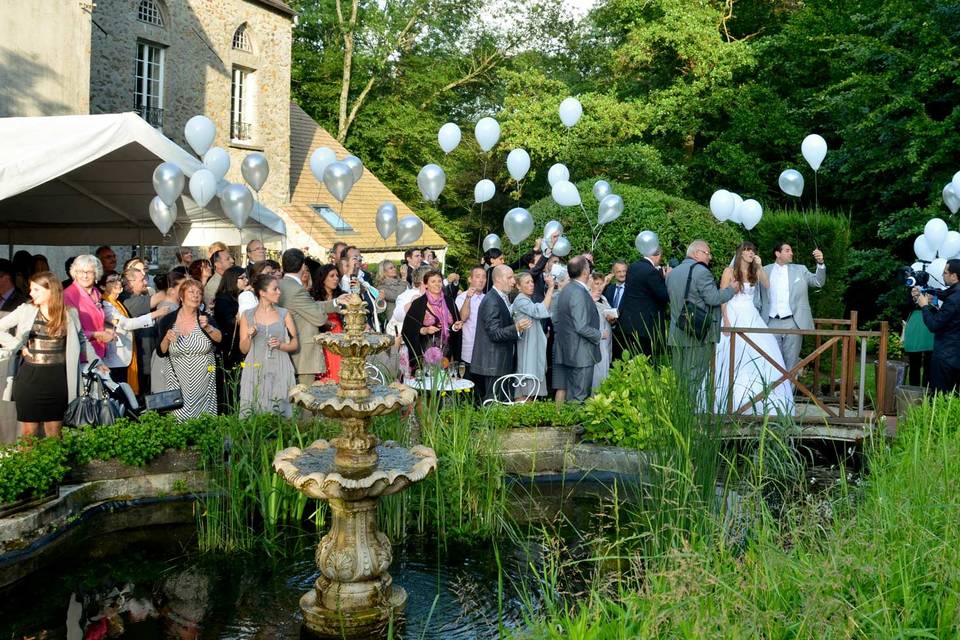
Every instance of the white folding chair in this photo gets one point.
(374, 374)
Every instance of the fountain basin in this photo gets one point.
(327, 400)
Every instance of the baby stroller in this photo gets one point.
(114, 399)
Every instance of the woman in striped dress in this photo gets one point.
(189, 338)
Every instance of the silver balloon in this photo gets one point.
(562, 247)
(356, 167)
(951, 198)
(338, 179)
(203, 186)
(386, 219)
(791, 183)
(162, 215)
(609, 209)
(551, 228)
(431, 181)
(218, 161)
(601, 189)
(492, 241)
(647, 242)
(255, 170)
(168, 182)
(518, 223)
(409, 230)
(237, 202)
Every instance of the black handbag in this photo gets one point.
(694, 320)
(86, 409)
(163, 401)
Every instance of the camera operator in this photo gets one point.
(944, 323)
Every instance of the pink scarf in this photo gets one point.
(438, 307)
(90, 313)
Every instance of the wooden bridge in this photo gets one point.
(831, 395)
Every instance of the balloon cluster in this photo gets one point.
(935, 246)
(518, 222)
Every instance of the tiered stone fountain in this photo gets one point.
(354, 595)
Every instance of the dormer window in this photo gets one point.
(241, 40)
(149, 11)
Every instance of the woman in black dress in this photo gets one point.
(225, 310)
(49, 338)
(432, 320)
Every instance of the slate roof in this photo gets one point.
(282, 7)
(359, 209)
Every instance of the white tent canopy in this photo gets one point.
(73, 180)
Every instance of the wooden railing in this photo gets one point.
(844, 400)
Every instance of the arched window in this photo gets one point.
(149, 11)
(241, 40)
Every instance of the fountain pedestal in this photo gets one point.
(354, 595)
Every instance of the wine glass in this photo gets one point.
(461, 369)
(270, 348)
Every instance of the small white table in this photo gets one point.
(445, 383)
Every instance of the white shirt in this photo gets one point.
(469, 325)
(295, 277)
(395, 325)
(780, 291)
(619, 288)
(246, 301)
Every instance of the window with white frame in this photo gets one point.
(241, 39)
(148, 83)
(332, 218)
(149, 11)
(242, 104)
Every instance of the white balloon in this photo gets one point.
(254, 168)
(386, 219)
(950, 246)
(814, 150)
(449, 137)
(409, 229)
(562, 248)
(200, 132)
(518, 223)
(431, 181)
(565, 194)
(609, 208)
(551, 228)
(935, 231)
(492, 241)
(570, 112)
(956, 183)
(750, 213)
(936, 273)
(320, 159)
(601, 189)
(168, 182)
(951, 198)
(923, 250)
(356, 167)
(735, 214)
(161, 215)
(557, 173)
(646, 242)
(218, 161)
(518, 163)
(722, 204)
(487, 133)
(203, 186)
(237, 202)
(791, 183)
(484, 191)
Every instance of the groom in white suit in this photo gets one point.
(786, 304)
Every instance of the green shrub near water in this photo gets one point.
(32, 471)
(879, 561)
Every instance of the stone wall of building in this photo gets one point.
(199, 58)
(45, 58)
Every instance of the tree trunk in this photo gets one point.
(347, 31)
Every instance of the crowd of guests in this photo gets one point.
(232, 337)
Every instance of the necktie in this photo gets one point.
(617, 295)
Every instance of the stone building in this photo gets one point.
(169, 60)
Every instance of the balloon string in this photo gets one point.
(481, 233)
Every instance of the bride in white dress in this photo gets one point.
(752, 372)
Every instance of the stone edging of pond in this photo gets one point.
(558, 450)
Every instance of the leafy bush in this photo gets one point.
(804, 232)
(676, 221)
(31, 470)
(515, 416)
(635, 399)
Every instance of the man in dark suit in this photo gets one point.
(495, 344)
(614, 294)
(576, 347)
(944, 324)
(10, 296)
(643, 312)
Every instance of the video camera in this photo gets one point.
(911, 278)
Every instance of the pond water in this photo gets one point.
(150, 583)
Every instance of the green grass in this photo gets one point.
(881, 561)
